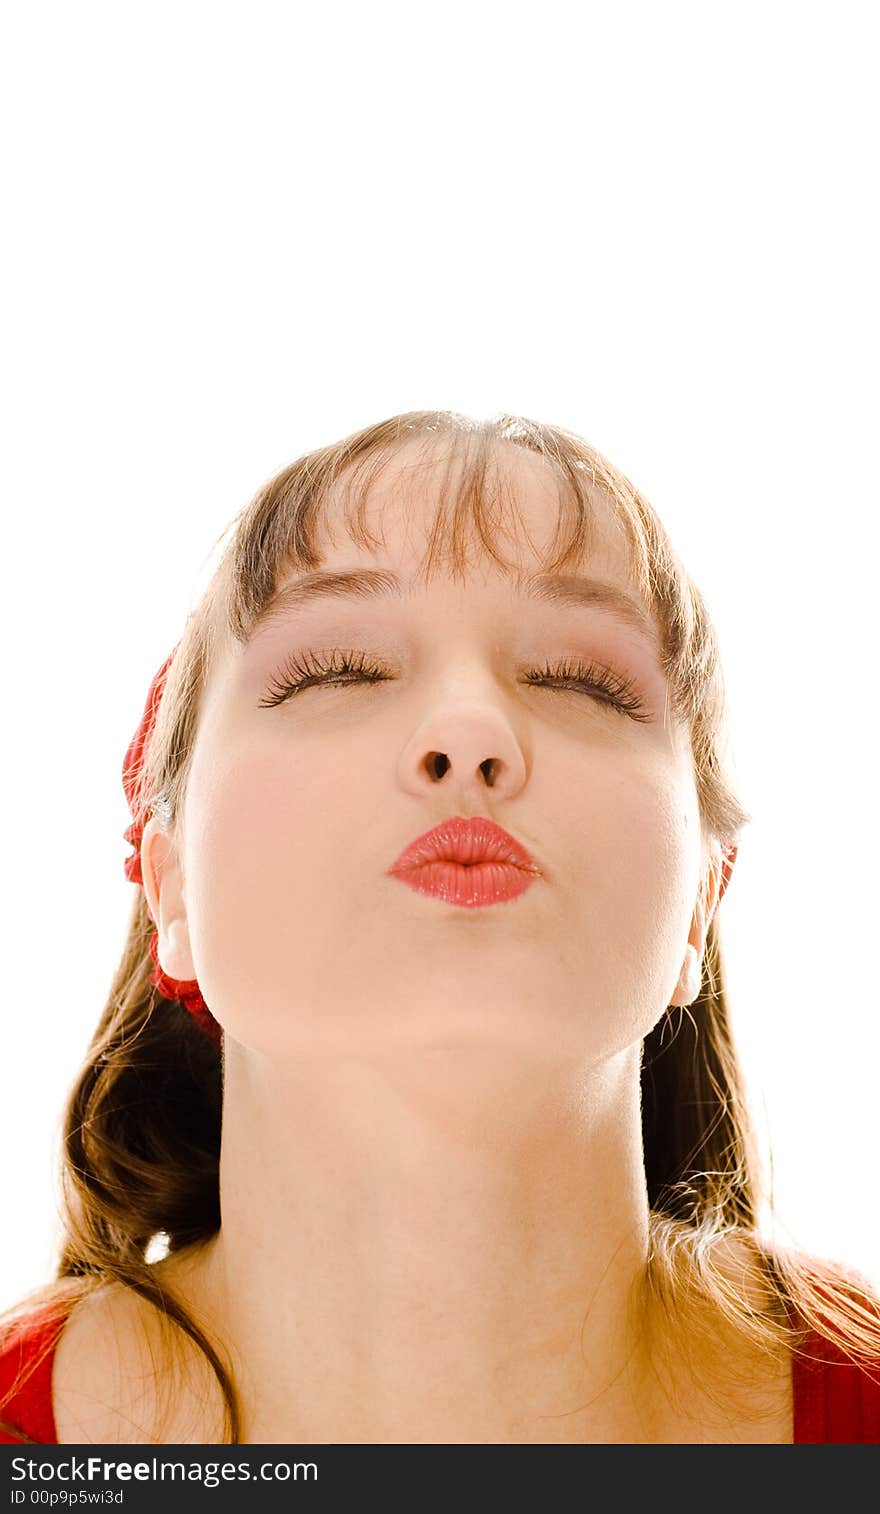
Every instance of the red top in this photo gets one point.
(835, 1402)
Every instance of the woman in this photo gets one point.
(432, 827)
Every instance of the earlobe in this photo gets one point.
(687, 988)
(163, 888)
(713, 885)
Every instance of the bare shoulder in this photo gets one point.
(745, 1384)
(113, 1379)
(98, 1365)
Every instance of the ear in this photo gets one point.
(712, 888)
(163, 886)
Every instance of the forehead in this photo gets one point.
(432, 507)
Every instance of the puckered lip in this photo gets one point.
(467, 840)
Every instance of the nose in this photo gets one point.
(468, 750)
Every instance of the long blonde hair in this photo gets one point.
(141, 1129)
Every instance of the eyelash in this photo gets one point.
(297, 675)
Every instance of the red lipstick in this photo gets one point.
(466, 861)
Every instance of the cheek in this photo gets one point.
(266, 827)
(254, 827)
(653, 846)
(245, 822)
(652, 835)
(637, 858)
(637, 813)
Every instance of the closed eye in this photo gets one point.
(355, 667)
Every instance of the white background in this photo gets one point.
(235, 233)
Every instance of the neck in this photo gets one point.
(432, 1249)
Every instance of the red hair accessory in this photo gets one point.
(184, 991)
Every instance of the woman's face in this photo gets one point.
(295, 810)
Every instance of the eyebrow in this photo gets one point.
(564, 590)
